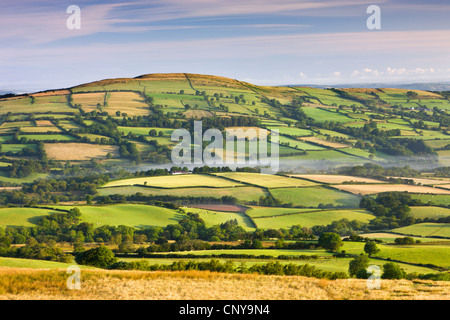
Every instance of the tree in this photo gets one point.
(358, 265)
(152, 133)
(371, 248)
(412, 95)
(330, 240)
(392, 271)
(100, 257)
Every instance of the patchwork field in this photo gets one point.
(429, 212)
(426, 230)
(241, 193)
(314, 189)
(310, 219)
(324, 143)
(265, 180)
(212, 217)
(315, 196)
(437, 199)
(78, 151)
(176, 181)
(21, 216)
(133, 215)
(335, 179)
(377, 188)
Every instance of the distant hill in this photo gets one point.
(438, 86)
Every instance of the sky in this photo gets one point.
(265, 42)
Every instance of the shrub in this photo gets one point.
(392, 271)
(100, 257)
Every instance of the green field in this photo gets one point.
(429, 212)
(37, 264)
(212, 218)
(176, 181)
(423, 254)
(426, 230)
(256, 212)
(26, 217)
(324, 115)
(241, 193)
(291, 131)
(313, 196)
(266, 180)
(437, 199)
(314, 218)
(133, 215)
(257, 252)
(46, 137)
(4, 176)
(16, 147)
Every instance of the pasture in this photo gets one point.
(427, 229)
(429, 212)
(265, 180)
(314, 196)
(212, 217)
(26, 217)
(312, 218)
(335, 179)
(243, 193)
(176, 181)
(133, 215)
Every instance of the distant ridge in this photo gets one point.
(436, 86)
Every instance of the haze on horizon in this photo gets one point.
(264, 42)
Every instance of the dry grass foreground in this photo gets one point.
(24, 284)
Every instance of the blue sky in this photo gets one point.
(260, 41)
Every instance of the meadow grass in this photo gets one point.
(213, 218)
(437, 199)
(26, 217)
(310, 219)
(256, 212)
(47, 137)
(265, 180)
(176, 181)
(313, 196)
(429, 212)
(241, 193)
(133, 215)
(427, 229)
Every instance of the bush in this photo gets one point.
(392, 271)
(359, 263)
(330, 240)
(100, 257)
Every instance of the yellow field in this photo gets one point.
(41, 284)
(126, 102)
(88, 101)
(254, 132)
(198, 114)
(177, 181)
(78, 151)
(429, 181)
(335, 179)
(377, 188)
(325, 143)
